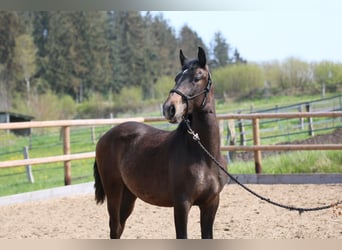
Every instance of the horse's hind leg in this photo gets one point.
(127, 205)
(113, 206)
(120, 205)
(208, 213)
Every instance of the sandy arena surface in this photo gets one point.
(240, 216)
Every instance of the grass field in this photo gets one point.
(294, 163)
(48, 142)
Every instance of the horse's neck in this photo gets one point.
(205, 124)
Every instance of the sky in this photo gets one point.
(266, 34)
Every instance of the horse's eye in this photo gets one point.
(197, 77)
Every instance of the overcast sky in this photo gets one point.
(266, 34)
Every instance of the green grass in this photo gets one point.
(294, 162)
(14, 180)
(266, 103)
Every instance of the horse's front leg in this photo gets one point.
(181, 211)
(208, 213)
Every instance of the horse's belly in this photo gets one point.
(155, 199)
(154, 196)
(150, 187)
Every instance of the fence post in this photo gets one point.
(256, 140)
(310, 121)
(28, 167)
(340, 100)
(221, 127)
(93, 135)
(242, 132)
(301, 120)
(230, 139)
(66, 148)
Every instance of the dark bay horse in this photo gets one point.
(134, 160)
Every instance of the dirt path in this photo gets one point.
(240, 216)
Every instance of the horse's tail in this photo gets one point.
(99, 192)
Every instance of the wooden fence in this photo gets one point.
(285, 128)
(67, 157)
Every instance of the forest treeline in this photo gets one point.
(67, 64)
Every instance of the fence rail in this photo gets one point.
(50, 159)
(255, 117)
(114, 121)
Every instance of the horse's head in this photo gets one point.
(191, 90)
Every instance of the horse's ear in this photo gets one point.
(201, 57)
(182, 57)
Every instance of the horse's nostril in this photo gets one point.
(172, 111)
(169, 111)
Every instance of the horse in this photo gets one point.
(165, 168)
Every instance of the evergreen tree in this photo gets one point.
(40, 31)
(115, 80)
(220, 50)
(237, 58)
(100, 48)
(58, 68)
(26, 24)
(160, 46)
(77, 53)
(189, 41)
(82, 58)
(9, 27)
(130, 29)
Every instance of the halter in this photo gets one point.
(187, 98)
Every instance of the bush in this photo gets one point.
(330, 74)
(129, 98)
(237, 80)
(163, 87)
(94, 107)
(47, 106)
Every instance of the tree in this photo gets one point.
(296, 74)
(328, 75)
(238, 80)
(25, 59)
(89, 51)
(189, 42)
(9, 27)
(220, 50)
(237, 58)
(130, 33)
(137, 54)
(273, 75)
(160, 45)
(101, 72)
(41, 31)
(77, 53)
(58, 68)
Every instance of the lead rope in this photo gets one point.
(196, 138)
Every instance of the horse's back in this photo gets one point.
(125, 133)
(126, 140)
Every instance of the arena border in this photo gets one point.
(88, 188)
(302, 179)
(44, 194)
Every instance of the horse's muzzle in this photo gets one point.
(169, 112)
